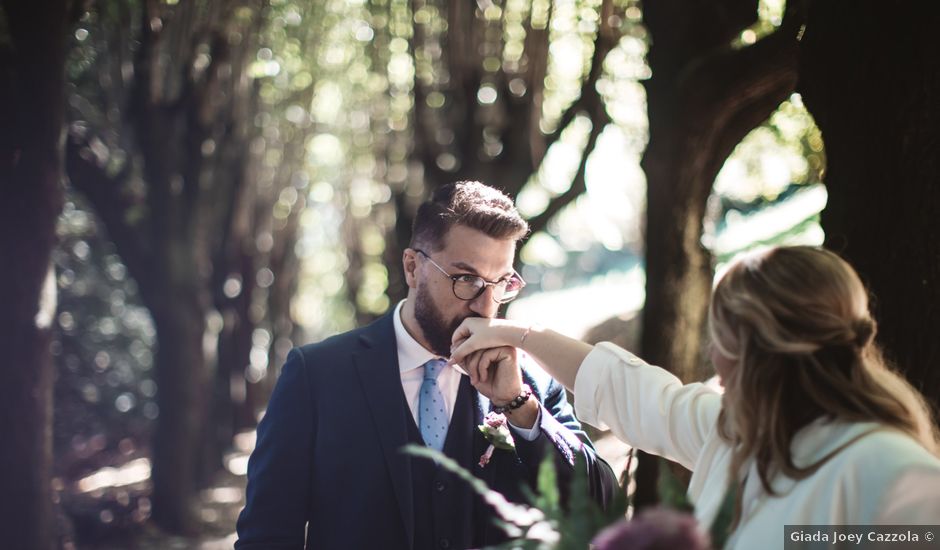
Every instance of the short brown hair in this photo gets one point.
(471, 204)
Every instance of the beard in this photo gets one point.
(438, 332)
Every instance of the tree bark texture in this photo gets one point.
(32, 61)
(703, 98)
(188, 112)
(870, 75)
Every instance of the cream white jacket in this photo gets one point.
(883, 478)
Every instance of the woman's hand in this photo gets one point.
(479, 333)
(559, 355)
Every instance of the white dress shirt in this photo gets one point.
(411, 359)
(882, 477)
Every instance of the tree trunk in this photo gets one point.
(183, 400)
(188, 117)
(877, 103)
(31, 112)
(703, 99)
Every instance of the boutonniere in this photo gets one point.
(495, 429)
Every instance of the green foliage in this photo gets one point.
(103, 345)
(768, 191)
(514, 519)
(548, 497)
(584, 518)
(720, 528)
(672, 492)
(546, 524)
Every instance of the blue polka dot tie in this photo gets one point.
(432, 416)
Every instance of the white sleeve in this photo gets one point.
(913, 498)
(643, 405)
(530, 434)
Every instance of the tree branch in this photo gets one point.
(590, 103)
(578, 185)
(423, 138)
(535, 48)
(104, 193)
(606, 40)
(730, 92)
(729, 76)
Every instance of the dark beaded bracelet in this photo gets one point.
(517, 402)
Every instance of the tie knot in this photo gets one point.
(432, 368)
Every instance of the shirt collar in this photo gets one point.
(411, 354)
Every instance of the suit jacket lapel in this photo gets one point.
(377, 365)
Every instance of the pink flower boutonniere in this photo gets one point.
(495, 429)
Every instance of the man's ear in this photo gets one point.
(409, 261)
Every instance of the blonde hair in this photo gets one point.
(796, 323)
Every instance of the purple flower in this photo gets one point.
(496, 430)
(494, 420)
(654, 529)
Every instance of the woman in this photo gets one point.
(813, 427)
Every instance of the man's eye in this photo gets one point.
(468, 279)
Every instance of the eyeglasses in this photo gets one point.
(470, 287)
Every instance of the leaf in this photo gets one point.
(618, 506)
(584, 518)
(548, 499)
(719, 530)
(546, 525)
(517, 518)
(672, 492)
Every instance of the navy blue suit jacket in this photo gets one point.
(328, 451)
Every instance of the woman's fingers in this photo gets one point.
(467, 347)
(460, 353)
(475, 334)
(462, 333)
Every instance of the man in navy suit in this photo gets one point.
(328, 471)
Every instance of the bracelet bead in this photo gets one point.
(516, 403)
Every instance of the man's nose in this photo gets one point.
(484, 305)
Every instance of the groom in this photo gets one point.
(328, 471)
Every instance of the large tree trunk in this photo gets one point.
(189, 115)
(184, 400)
(877, 103)
(703, 99)
(32, 58)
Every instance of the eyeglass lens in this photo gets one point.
(469, 287)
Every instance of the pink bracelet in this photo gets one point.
(524, 334)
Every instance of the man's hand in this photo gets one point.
(495, 373)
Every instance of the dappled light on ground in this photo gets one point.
(135, 471)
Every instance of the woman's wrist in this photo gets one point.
(525, 334)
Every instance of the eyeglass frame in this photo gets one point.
(456, 277)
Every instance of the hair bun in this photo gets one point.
(864, 330)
